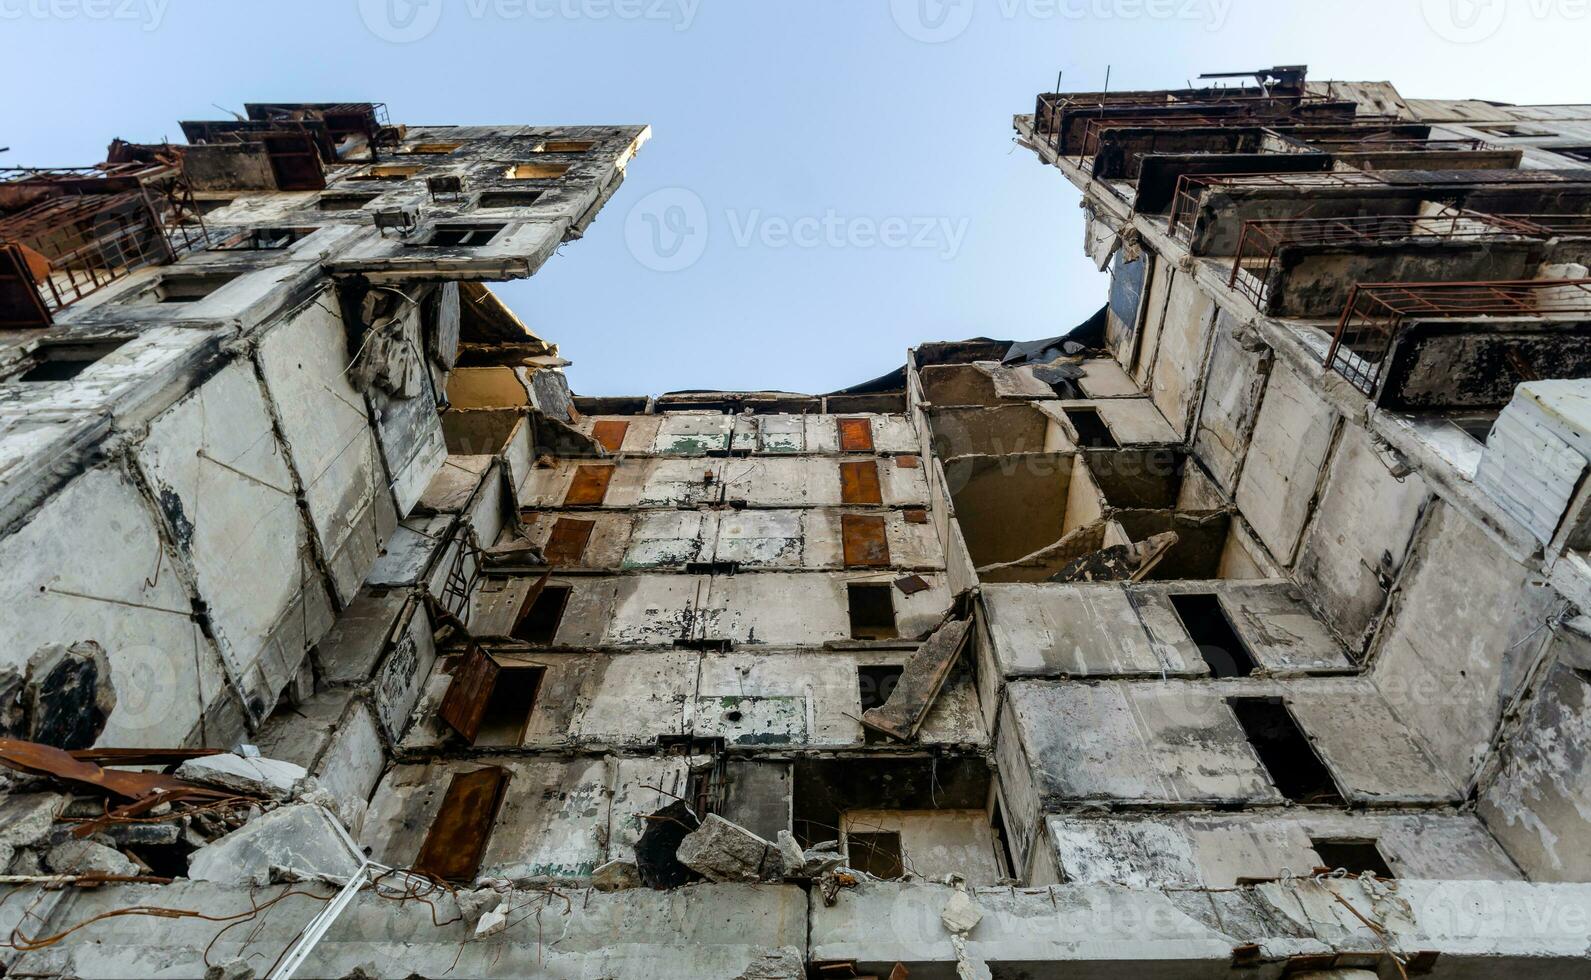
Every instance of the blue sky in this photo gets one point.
(830, 181)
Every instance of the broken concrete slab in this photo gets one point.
(784, 963)
(298, 836)
(25, 820)
(254, 776)
(920, 683)
(708, 930)
(723, 851)
(615, 876)
(86, 857)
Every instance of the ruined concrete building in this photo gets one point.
(1239, 632)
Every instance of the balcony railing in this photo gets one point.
(1370, 322)
(1262, 239)
(75, 231)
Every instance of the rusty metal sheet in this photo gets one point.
(610, 433)
(908, 462)
(866, 545)
(529, 602)
(458, 836)
(589, 487)
(141, 757)
(464, 705)
(926, 671)
(859, 483)
(912, 584)
(47, 760)
(568, 541)
(295, 161)
(856, 435)
(20, 304)
(915, 515)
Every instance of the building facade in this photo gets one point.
(1238, 632)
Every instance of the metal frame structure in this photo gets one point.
(1251, 108)
(1262, 239)
(1375, 311)
(88, 227)
(1191, 188)
(1095, 130)
(1552, 225)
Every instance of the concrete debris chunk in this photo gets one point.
(233, 969)
(63, 699)
(27, 861)
(253, 776)
(616, 876)
(492, 922)
(784, 963)
(474, 902)
(817, 861)
(298, 836)
(961, 915)
(25, 820)
(924, 677)
(724, 851)
(1119, 563)
(144, 834)
(86, 857)
(792, 855)
(820, 863)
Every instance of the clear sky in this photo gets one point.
(830, 181)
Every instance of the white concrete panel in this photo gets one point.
(90, 566)
(1465, 627)
(330, 440)
(1233, 386)
(764, 538)
(1184, 338)
(228, 495)
(1136, 741)
(671, 538)
(1290, 444)
(1050, 630)
(1360, 535)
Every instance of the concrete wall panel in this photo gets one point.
(1290, 445)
